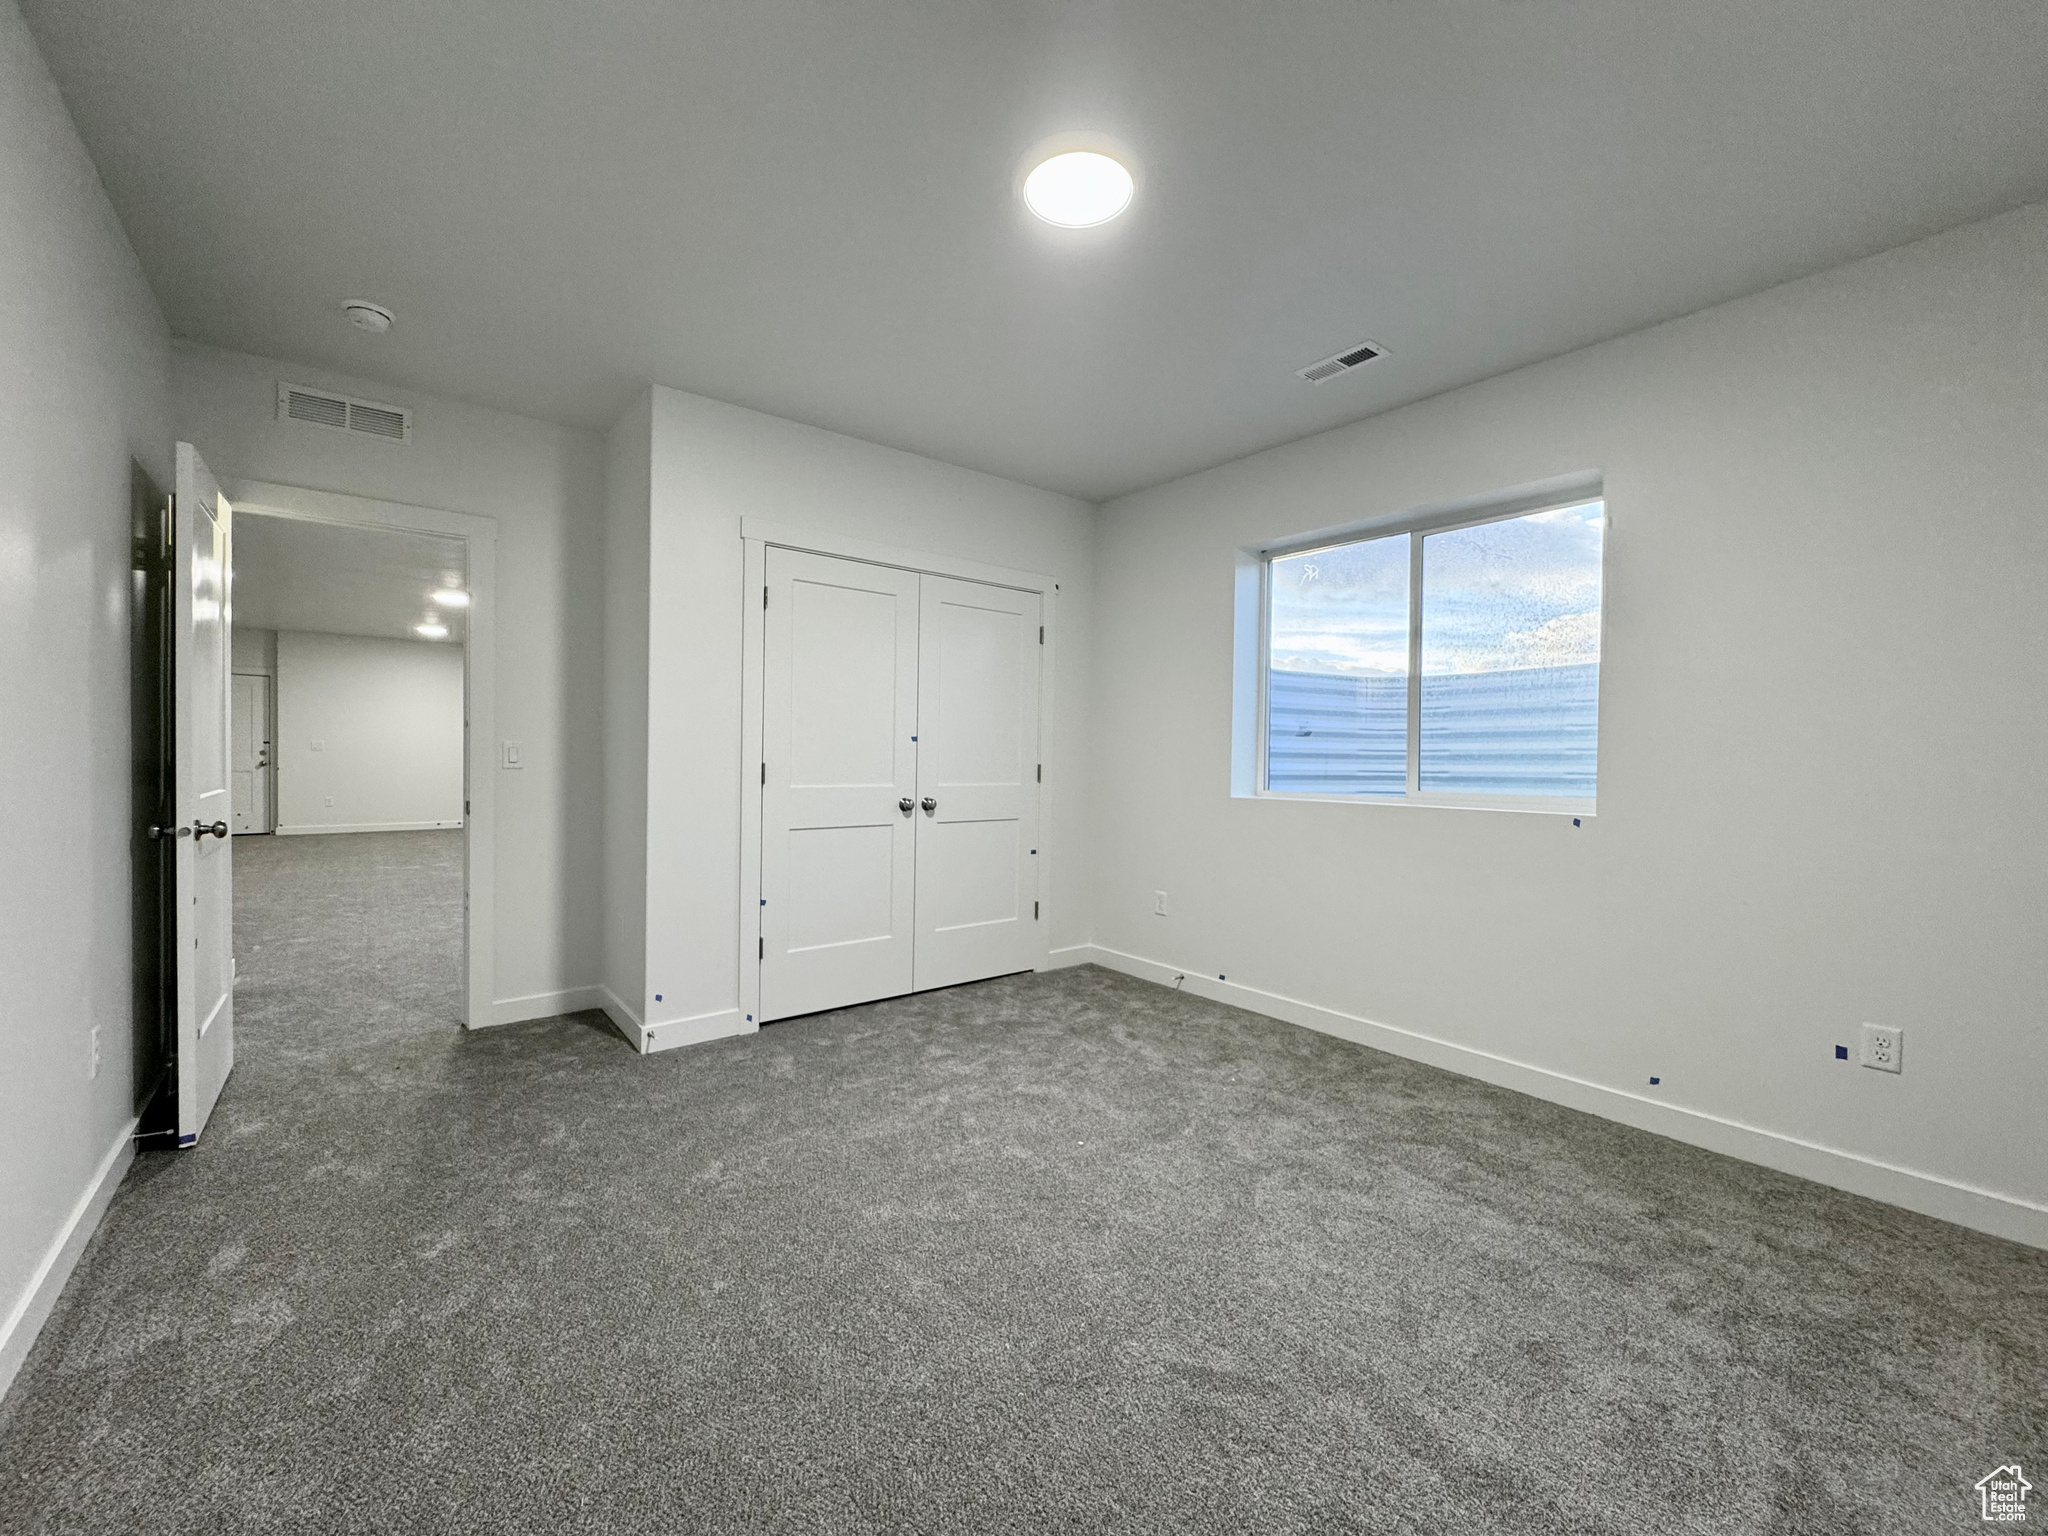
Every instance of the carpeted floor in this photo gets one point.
(1053, 1253)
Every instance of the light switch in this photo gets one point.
(515, 754)
(316, 746)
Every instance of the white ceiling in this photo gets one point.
(331, 580)
(808, 206)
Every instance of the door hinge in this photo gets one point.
(1041, 634)
(1041, 773)
(764, 773)
(764, 597)
(761, 953)
(1034, 911)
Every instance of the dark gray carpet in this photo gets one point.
(1059, 1253)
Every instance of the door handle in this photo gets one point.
(929, 804)
(218, 829)
(905, 805)
(170, 833)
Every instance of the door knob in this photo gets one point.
(929, 804)
(904, 805)
(218, 829)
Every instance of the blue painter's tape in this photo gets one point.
(1575, 821)
(657, 997)
(1221, 977)
(1655, 1081)
(1841, 1053)
(188, 1141)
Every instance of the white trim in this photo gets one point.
(667, 1034)
(756, 535)
(783, 536)
(623, 1017)
(313, 830)
(545, 1005)
(479, 693)
(25, 1321)
(2002, 1215)
(1071, 955)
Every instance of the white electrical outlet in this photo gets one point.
(1159, 903)
(92, 1060)
(1884, 1048)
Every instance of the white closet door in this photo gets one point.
(977, 834)
(838, 834)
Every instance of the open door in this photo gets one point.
(201, 544)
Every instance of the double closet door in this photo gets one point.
(899, 782)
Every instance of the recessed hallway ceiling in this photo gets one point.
(808, 206)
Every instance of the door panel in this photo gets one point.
(202, 562)
(838, 855)
(978, 679)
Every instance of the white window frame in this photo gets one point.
(1255, 583)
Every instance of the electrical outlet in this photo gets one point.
(1884, 1048)
(1159, 903)
(92, 1060)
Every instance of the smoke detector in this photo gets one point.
(1342, 363)
(365, 316)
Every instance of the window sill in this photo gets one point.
(1528, 805)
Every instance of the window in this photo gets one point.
(1451, 664)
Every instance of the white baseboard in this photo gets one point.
(627, 1019)
(544, 1005)
(1984, 1210)
(310, 829)
(32, 1310)
(668, 1034)
(698, 1029)
(1073, 954)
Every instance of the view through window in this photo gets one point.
(1458, 663)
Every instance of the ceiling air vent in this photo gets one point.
(1342, 363)
(343, 413)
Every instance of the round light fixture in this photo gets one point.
(431, 631)
(1078, 189)
(365, 316)
(452, 597)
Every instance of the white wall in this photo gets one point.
(1823, 747)
(253, 650)
(711, 464)
(544, 485)
(83, 379)
(369, 734)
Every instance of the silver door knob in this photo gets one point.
(904, 805)
(929, 804)
(218, 829)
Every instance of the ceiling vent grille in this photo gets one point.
(343, 413)
(1341, 364)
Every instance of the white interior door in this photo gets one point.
(201, 562)
(977, 729)
(838, 781)
(251, 752)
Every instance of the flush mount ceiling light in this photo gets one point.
(365, 316)
(1078, 189)
(452, 597)
(431, 630)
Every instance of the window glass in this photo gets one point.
(1511, 655)
(1337, 684)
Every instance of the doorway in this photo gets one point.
(250, 751)
(898, 731)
